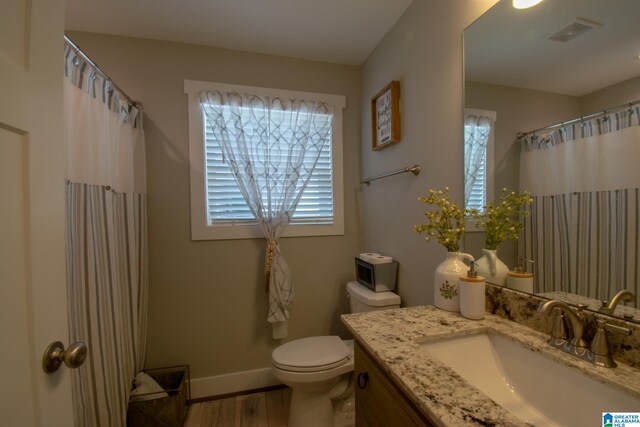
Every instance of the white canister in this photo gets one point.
(520, 281)
(472, 297)
(446, 278)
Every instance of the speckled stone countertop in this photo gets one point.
(393, 337)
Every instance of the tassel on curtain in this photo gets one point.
(106, 241)
(583, 234)
(272, 146)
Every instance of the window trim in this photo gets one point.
(470, 224)
(200, 229)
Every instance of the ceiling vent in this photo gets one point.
(575, 28)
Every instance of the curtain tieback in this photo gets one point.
(271, 247)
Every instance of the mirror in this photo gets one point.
(514, 69)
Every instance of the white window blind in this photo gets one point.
(225, 202)
(476, 134)
(218, 210)
(478, 197)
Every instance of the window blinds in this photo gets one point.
(225, 203)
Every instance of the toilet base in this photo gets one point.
(344, 411)
(335, 408)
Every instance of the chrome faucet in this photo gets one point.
(623, 295)
(577, 345)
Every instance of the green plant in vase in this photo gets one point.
(501, 220)
(445, 223)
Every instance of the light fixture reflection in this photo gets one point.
(524, 4)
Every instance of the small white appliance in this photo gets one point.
(376, 272)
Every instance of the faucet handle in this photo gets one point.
(605, 307)
(614, 328)
(559, 330)
(600, 343)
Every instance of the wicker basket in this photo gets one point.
(170, 411)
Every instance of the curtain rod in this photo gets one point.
(414, 170)
(84, 56)
(583, 118)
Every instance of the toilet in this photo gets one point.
(319, 369)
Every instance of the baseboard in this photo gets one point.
(232, 383)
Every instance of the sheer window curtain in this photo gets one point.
(477, 129)
(106, 242)
(584, 228)
(271, 152)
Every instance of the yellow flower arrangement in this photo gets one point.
(446, 222)
(502, 219)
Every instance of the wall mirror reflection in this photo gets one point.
(570, 71)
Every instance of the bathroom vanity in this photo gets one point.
(379, 400)
(399, 381)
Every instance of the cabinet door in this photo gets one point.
(379, 402)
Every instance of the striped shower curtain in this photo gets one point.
(106, 242)
(584, 230)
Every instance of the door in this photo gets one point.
(33, 299)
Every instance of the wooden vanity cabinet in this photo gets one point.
(379, 401)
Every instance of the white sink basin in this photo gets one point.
(535, 389)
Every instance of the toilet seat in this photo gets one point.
(311, 354)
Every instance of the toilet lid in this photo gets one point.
(311, 354)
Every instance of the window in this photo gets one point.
(218, 208)
(225, 202)
(478, 158)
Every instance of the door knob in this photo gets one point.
(55, 354)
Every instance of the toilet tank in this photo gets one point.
(363, 299)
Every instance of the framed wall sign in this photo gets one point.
(385, 116)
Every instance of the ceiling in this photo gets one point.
(509, 47)
(338, 31)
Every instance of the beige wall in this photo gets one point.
(207, 306)
(611, 96)
(424, 52)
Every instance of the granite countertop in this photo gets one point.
(393, 337)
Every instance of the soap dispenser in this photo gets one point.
(472, 294)
(520, 279)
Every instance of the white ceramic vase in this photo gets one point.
(446, 294)
(492, 268)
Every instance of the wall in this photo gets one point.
(207, 306)
(424, 52)
(611, 96)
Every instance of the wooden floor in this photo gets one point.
(263, 409)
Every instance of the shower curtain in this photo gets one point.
(106, 241)
(583, 234)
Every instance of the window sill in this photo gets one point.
(471, 227)
(234, 232)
